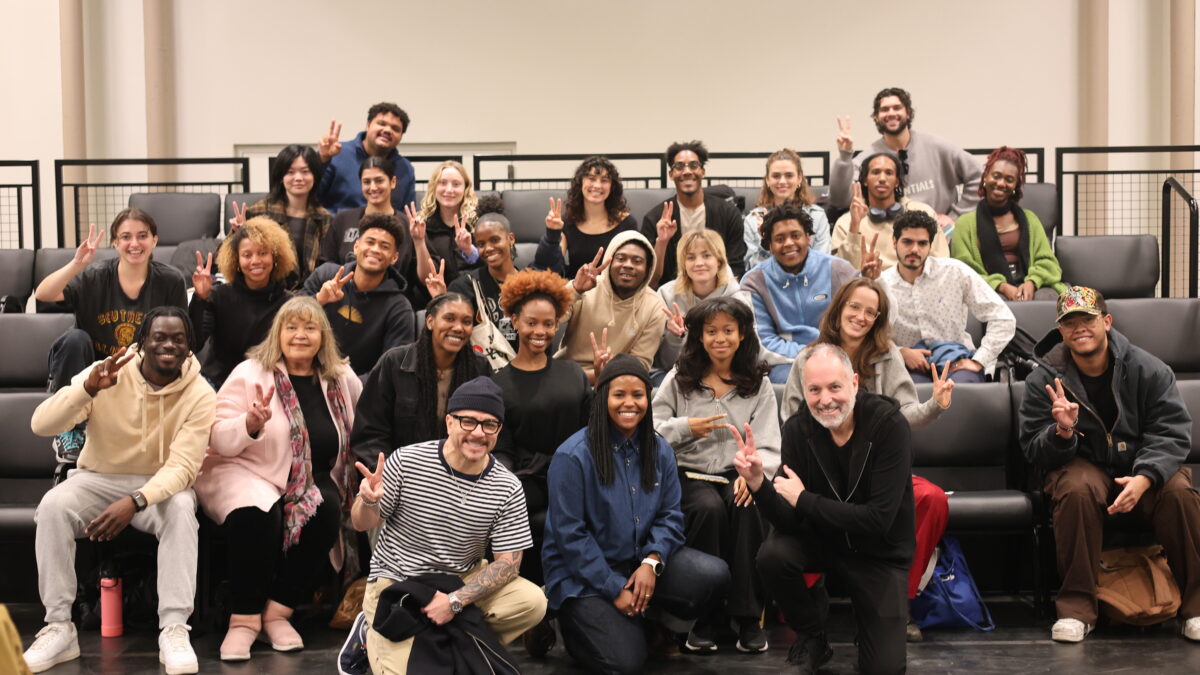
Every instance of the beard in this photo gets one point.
(883, 130)
(832, 422)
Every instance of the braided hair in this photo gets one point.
(599, 436)
(466, 367)
(1006, 154)
(143, 329)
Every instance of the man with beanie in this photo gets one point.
(441, 505)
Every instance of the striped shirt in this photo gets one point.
(436, 520)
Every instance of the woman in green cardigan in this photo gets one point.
(1003, 242)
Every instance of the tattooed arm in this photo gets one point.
(492, 577)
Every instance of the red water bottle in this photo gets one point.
(111, 620)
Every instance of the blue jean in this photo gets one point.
(779, 373)
(605, 641)
(959, 376)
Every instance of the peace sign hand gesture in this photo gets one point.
(87, 249)
(260, 410)
(104, 375)
(239, 216)
(554, 219)
(746, 460)
(585, 278)
(436, 281)
(675, 322)
(601, 354)
(416, 226)
(845, 142)
(858, 206)
(462, 237)
(202, 278)
(370, 489)
(943, 386)
(1064, 412)
(331, 291)
(702, 427)
(871, 262)
(666, 226)
(330, 145)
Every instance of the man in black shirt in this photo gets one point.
(842, 504)
(1105, 421)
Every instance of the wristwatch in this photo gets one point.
(656, 565)
(456, 605)
(139, 500)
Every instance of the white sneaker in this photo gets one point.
(56, 643)
(175, 650)
(1191, 629)
(1069, 630)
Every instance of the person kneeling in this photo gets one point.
(614, 531)
(843, 505)
(441, 505)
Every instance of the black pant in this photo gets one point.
(716, 526)
(878, 593)
(70, 353)
(536, 501)
(260, 569)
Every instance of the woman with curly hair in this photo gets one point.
(294, 204)
(445, 219)
(278, 476)
(1004, 243)
(255, 260)
(717, 382)
(404, 397)
(784, 181)
(595, 213)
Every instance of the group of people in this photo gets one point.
(595, 438)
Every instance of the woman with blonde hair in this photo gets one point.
(445, 220)
(784, 181)
(255, 261)
(704, 272)
(278, 475)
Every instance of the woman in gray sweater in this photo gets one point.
(719, 381)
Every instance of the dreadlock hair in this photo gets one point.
(599, 437)
(143, 329)
(1007, 154)
(864, 171)
(466, 367)
(746, 372)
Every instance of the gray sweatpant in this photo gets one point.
(68, 508)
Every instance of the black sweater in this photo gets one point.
(236, 318)
(338, 246)
(541, 410)
(876, 517)
(720, 216)
(367, 323)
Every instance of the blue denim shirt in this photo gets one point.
(596, 533)
(341, 188)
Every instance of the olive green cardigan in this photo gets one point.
(1044, 269)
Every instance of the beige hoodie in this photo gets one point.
(635, 325)
(135, 430)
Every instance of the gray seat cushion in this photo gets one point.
(526, 212)
(181, 215)
(1042, 199)
(242, 198)
(16, 273)
(643, 201)
(48, 260)
(27, 339)
(1119, 266)
(1165, 327)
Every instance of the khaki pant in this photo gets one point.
(510, 611)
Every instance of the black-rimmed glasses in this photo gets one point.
(468, 424)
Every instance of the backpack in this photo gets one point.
(1136, 586)
(951, 599)
(1017, 358)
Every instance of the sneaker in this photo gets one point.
(1069, 630)
(1191, 629)
(56, 643)
(752, 639)
(912, 632)
(175, 650)
(68, 445)
(810, 652)
(540, 639)
(699, 640)
(352, 659)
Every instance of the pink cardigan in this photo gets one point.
(241, 471)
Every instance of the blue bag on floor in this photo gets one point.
(950, 599)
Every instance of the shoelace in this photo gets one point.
(177, 637)
(48, 629)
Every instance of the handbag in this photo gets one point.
(1136, 586)
(485, 337)
(351, 604)
(951, 599)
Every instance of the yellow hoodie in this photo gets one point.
(133, 429)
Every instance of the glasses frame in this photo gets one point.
(469, 424)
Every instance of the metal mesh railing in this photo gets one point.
(1035, 161)
(20, 203)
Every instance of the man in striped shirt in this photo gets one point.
(441, 504)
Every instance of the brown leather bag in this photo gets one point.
(1136, 586)
(350, 606)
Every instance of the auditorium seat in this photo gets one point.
(1190, 391)
(242, 198)
(526, 212)
(181, 216)
(16, 278)
(1119, 266)
(643, 200)
(27, 339)
(1165, 327)
(1042, 199)
(26, 464)
(1035, 316)
(49, 260)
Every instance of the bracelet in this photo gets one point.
(1066, 429)
(367, 502)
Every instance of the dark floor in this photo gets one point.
(1020, 645)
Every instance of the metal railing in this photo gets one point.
(1170, 186)
(80, 201)
(422, 160)
(18, 198)
(1035, 161)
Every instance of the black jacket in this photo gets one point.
(876, 517)
(464, 645)
(720, 216)
(386, 416)
(367, 323)
(236, 318)
(1153, 432)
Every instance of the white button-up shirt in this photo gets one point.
(934, 308)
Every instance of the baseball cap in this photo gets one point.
(1081, 300)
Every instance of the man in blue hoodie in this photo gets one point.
(340, 188)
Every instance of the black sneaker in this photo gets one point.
(352, 659)
(700, 640)
(540, 639)
(810, 652)
(752, 639)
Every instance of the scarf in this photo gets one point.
(994, 261)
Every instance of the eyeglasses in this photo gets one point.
(686, 166)
(870, 312)
(468, 424)
(904, 161)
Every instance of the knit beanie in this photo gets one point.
(624, 364)
(482, 394)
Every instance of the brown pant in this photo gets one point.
(1081, 493)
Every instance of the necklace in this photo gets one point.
(457, 480)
